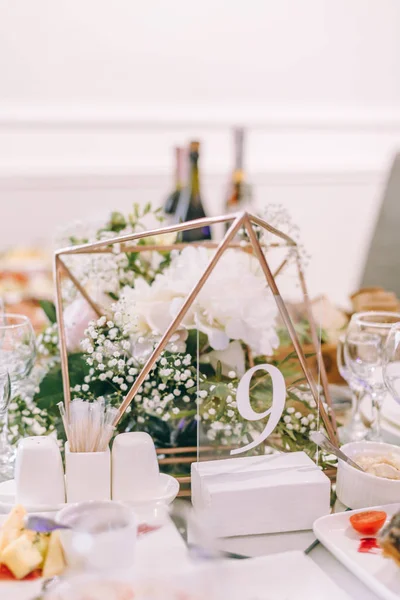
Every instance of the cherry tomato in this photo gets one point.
(368, 522)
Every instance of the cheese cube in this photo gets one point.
(54, 563)
(21, 557)
(12, 526)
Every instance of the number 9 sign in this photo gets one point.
(274, 412)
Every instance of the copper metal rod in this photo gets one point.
(61, 335)
(187, 226)
(167, 248)
(292, 332)
(183, 460)
(280, 268)
(81, 289)
(268, 227)
(316, 344)
(178, 319)
(191, 449)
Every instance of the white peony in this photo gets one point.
(234, 304)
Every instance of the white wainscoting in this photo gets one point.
(329, 170)
(335, 211)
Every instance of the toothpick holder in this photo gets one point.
(87, 475)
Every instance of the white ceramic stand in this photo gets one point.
(87, 475)
(39, 473)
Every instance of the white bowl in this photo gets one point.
(356, 489)
(103, 535)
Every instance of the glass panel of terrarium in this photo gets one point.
(255, 394)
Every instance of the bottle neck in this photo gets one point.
(194, 178)
(239, 149)
(179, 168)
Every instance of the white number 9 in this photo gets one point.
(275, 411)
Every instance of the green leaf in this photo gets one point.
(51, 388)
(49, 310)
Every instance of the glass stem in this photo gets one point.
(356, 395)
(4, 429)
(376, 425)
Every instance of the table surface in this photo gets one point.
(262, 545)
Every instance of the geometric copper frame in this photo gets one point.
(127, 244)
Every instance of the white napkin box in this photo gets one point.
(260, 494)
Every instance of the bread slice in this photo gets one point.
(389, 539)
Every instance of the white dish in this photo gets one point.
(357, 489)
(380, 574)
(163, 547)
(168, 491)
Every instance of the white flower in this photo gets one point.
(234, 304)
(76, 318)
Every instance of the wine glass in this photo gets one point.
(391, 362)
(6, 450)
(17, 356)
(355, 430)
(365, 341)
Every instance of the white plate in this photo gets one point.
(382, 575)
(163, 547)
(169, 488)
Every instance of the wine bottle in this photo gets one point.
(189, 204)
(239, 193)
(172, 201)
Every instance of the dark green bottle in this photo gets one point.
(189, 204)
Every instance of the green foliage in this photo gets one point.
(303, 332)
(49, 310)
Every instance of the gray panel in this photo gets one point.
(382, 267)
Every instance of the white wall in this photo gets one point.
(93, 94)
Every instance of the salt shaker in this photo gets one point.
(39, 473)
(135, 472)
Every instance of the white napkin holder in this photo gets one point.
(260, 494)
(87, 475)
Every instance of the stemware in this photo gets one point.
(364, 349)
(391, 362)
(355, 429)
(6, 450)
(17, 356)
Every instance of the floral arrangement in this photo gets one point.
(232, 325)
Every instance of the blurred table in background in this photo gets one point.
(25, 280)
